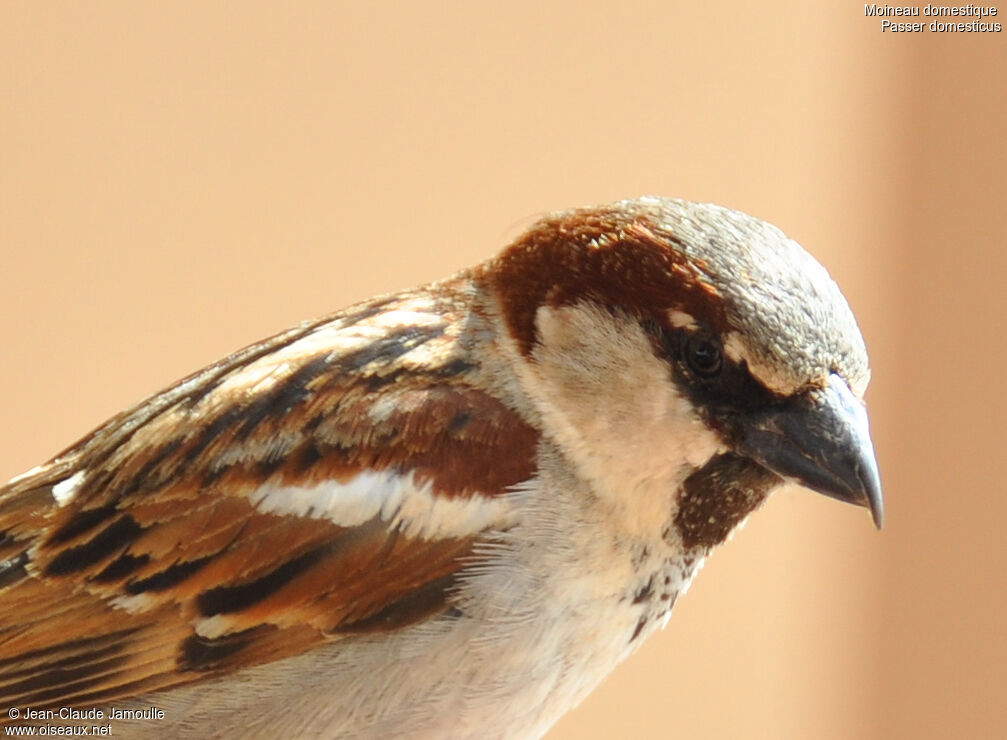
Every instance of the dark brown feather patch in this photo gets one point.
(716, 497)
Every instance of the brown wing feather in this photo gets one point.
(159, 570)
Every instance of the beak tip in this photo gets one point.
(870, 481)
(877, 506)
(878, 515)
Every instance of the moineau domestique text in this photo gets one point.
(931, 10)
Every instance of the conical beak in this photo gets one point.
(820, 440)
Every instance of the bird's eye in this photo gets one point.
(703, 355)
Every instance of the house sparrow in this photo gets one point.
(448, 512)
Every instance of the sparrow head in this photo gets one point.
(692, 346)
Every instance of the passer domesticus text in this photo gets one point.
(448, 512)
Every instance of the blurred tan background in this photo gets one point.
(177, 180)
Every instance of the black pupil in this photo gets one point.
(704, 356)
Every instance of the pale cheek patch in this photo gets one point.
(612, 405)
(394, 498)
